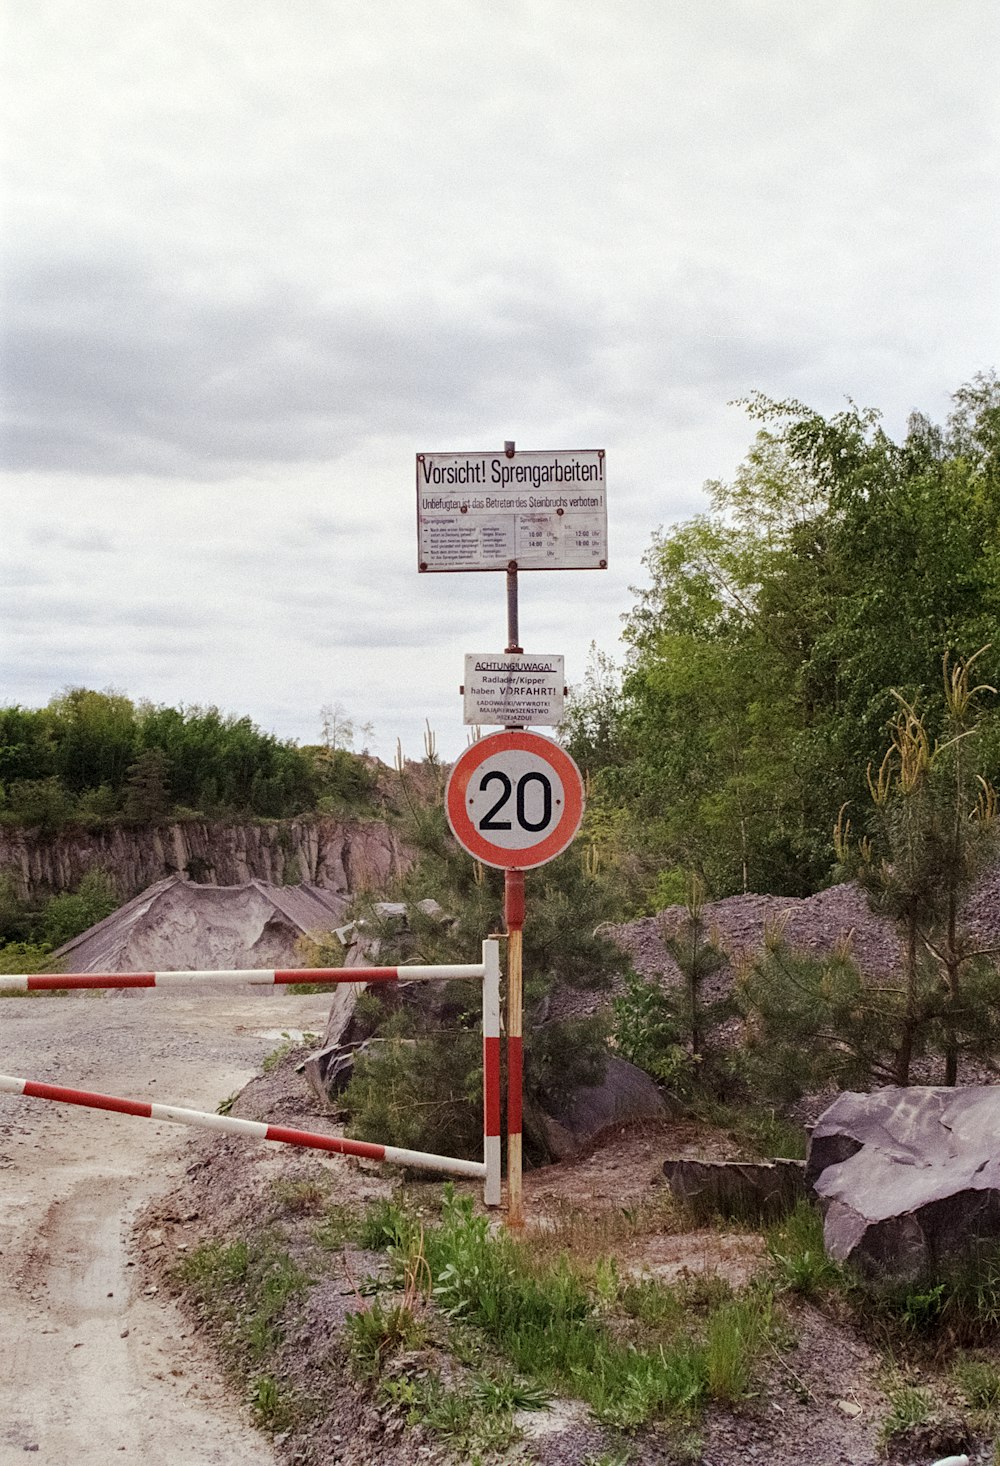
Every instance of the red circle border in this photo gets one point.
(465, 832)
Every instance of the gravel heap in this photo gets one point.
(811, 923)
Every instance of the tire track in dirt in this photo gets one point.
(98, 1367)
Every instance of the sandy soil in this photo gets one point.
(97, 1362)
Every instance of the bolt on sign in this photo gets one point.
(514, 689)
(527, 511)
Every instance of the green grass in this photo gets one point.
(558, 1312)
(734, 1335)
(243, 1288)
(275, 1408)
(978, 1382)
(274, 1059)
(338, 1225)
(302, 1196)
(475, 1421)
(548, 1320)
(377, 1332)
(798, 1256)
(764, 1132)
(958, 1307)
(909, 1406)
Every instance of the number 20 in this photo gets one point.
(489, 820)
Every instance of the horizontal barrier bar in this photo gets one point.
(256, 977)
(391, 1154)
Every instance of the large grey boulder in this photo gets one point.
(909, 1178)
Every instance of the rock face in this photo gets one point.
(743, 1189)
(909, 1178)
(341, 856)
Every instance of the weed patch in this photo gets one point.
(275, 1407)
(302, 1196)
(242, 1289)
(798, 1256)
(272, 1060)
(474, 1421)
(958, 1307)
(587, 1236)
(338, 1225)
(909, 1406)
(379, 1331)
(978, 1382)
(551, 1321)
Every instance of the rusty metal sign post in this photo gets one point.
(514, 799)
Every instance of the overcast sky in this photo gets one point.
(257, 254)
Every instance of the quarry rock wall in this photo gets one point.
(340, 855)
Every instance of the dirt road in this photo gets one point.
(95, 1367)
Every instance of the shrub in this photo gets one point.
(423, 1093)
(647, 1031)
(67, 915)
(42, 804)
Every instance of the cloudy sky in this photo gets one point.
(257, 255)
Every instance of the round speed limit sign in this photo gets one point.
(514, 800)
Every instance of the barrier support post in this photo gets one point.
(514, 916)
(491, 1071)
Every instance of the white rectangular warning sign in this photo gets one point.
(532, 511)
(514, 689)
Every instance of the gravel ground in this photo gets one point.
(819, 1400)
(107, 1361)
(811, 924)
(102, 1365)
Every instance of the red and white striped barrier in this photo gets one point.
(257, 977)
(487, 972)
(395, 1155)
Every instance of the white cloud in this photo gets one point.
(258, 256)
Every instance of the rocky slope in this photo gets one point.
(340, 855)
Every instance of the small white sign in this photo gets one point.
(514, 689)
(532, 511)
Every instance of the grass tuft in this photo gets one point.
(377, 1332)
(798, 1256)
(909, 1406)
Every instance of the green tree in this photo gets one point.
(814, 1021)
(933, 829)
(762, 654)
(41, 804)
(95, 737)
(27, 744)
(67, 915)
(699, 956)
(147, 792)
(462, 904)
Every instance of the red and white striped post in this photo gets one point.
(514, 920)
(491, 1071)
(487, 972)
